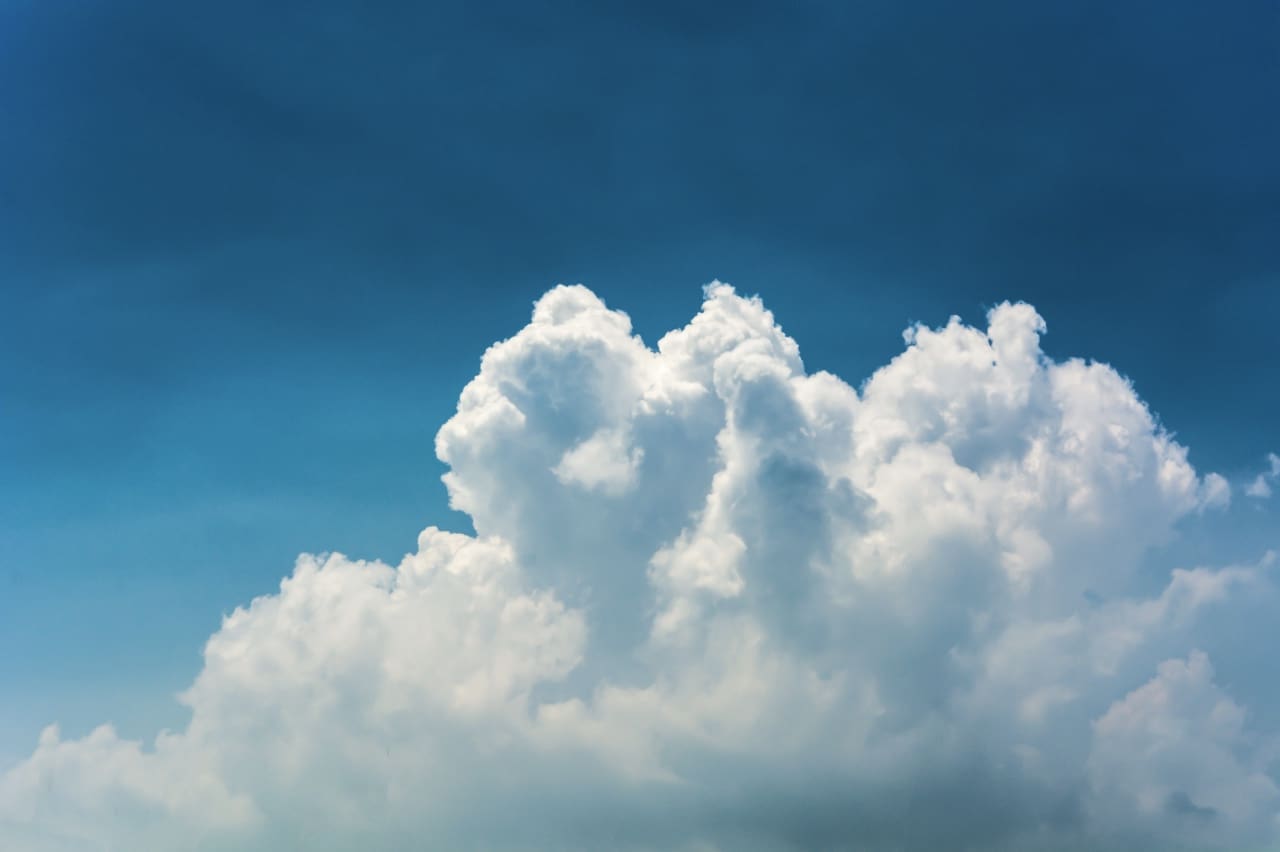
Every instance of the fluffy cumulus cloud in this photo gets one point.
(716, 602)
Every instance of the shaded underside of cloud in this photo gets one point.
(714, 601)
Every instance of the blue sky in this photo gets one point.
(249, 257)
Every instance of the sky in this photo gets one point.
(250, 257)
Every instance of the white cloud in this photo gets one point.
(1175, 753)
(717, 602)
(1260, 488)
(602, 462)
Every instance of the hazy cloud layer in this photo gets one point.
(715, 602)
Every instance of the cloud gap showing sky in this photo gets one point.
(716, 602)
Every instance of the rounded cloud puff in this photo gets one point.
(716, 602)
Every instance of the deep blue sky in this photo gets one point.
(250, 253)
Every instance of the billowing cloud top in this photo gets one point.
(715, 602)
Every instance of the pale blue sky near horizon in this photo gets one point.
(249, 256)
